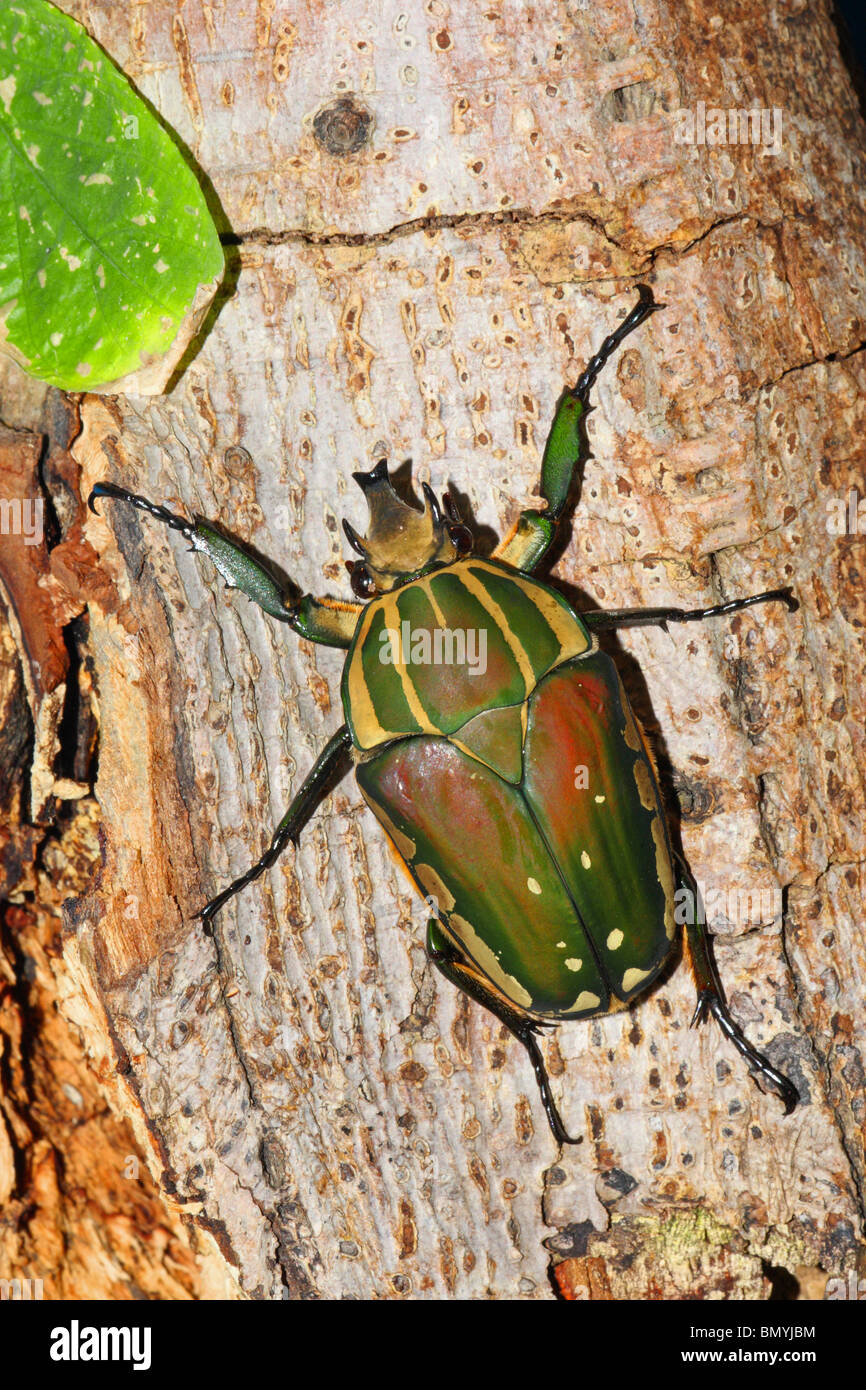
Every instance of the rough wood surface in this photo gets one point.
(439, 209)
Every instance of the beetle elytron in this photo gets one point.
(556, 902)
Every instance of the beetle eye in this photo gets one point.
(363, 584)
(461, 538)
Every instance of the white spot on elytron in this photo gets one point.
(586, 1000)
(633, 977)
(615, 940)
(585, 859)
(573, 963)
(560, 945)
(533, 885)
(599, 799)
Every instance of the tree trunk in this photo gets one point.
(438, 211)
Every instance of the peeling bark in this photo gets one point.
(436, 213)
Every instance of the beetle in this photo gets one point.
(471, 691)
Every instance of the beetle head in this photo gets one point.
(401, 540)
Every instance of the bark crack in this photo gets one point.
(430, 222)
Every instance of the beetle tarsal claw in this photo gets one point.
(701, 1008)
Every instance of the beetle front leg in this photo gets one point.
(331, 763)
(566, 450)
(319, 620)
(711, 999)
(461, 973)
(645, 617)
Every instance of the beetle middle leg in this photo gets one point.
(461, 973)
(331, 763)
(711, 999)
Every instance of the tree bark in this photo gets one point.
(437, 212)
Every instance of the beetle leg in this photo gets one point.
(711, 999)
(319, 620)
(644, 617)
(566, 449)
(330, 764)
(460, 973)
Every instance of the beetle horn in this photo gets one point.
(432, 503)
(355, 541)
(390, 516)
(375, 478)
(401, 539)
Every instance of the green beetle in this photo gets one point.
(473, 694)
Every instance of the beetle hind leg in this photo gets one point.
(460, 973)
(711, 999)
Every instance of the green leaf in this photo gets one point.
(108, 253)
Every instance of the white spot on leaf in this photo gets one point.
(7, 91)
